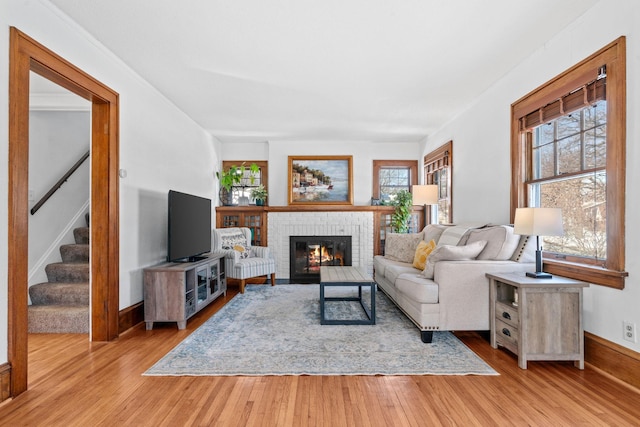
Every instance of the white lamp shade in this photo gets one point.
(425, 194)
(538, 222)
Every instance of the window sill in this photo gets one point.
(587, 273)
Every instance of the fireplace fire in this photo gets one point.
(308, 253)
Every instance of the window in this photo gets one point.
(569, 172)
(246, 183)
(437, 171)
(568, 151)
(392, 176)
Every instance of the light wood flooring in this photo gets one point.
(76, 383)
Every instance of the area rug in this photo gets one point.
(276, 331)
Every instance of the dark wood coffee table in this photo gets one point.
(347, 276)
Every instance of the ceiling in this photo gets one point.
(357, 70)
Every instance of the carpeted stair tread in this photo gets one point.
(67, 272)
(60, 293)
(72, 319)
(61, 305)
(78, 252)
(81, 235)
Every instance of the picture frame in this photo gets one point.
(320, 180)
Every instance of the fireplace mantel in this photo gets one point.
(260, 219)
(306, 208)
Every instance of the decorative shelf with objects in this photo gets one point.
(252, 217)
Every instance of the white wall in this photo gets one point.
(160, 147)
(363, 152)
(481, 175)
(57, 140)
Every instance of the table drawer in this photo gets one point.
(507, 313)
(507, 336)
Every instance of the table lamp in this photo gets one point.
(538, 222)
(426, 195)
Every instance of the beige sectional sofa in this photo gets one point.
(451, 292)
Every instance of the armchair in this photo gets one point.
(243, 261)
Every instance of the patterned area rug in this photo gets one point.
(276, 331)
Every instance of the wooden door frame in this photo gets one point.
(28, 55)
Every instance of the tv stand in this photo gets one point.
(190, 259)
(175, 291)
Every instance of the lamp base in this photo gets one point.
(539, 275)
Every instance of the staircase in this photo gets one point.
(61, 305)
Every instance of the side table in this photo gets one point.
(537, 319)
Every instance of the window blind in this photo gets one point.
(585, 95)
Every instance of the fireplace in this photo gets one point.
(308, 253)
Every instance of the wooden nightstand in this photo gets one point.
(537, 319)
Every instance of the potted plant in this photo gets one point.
(402, 213)
(259, 193)
(232, 177)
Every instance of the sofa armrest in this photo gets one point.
(230, 255)
(261, 251)
(463, 291)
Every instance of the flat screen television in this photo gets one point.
(189, 227)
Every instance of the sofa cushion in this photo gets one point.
(433, 232)
(380, 264)
(452, 235)
(452, 253)
(418, 288)
(501, 242)
(396, 269)
(401, 247)
(422, 252)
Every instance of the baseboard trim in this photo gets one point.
(5, 382)
(614, 359)
(130, 316)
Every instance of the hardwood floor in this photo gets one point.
(76, 383)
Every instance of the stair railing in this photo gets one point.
(58, 184)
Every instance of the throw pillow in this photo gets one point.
(245, 252)
(452, 253)
(501, 242)
(228, 241)
(526, 250)
(401, 247)
(422, 252)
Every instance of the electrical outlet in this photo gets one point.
(629, 331)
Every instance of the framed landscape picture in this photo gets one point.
(320, 180)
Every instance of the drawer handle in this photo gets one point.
(506, 332)
(506, 315)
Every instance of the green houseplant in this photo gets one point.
(232, 177)
(402, 212)
(259, 193)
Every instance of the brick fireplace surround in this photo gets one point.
(358, 225)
